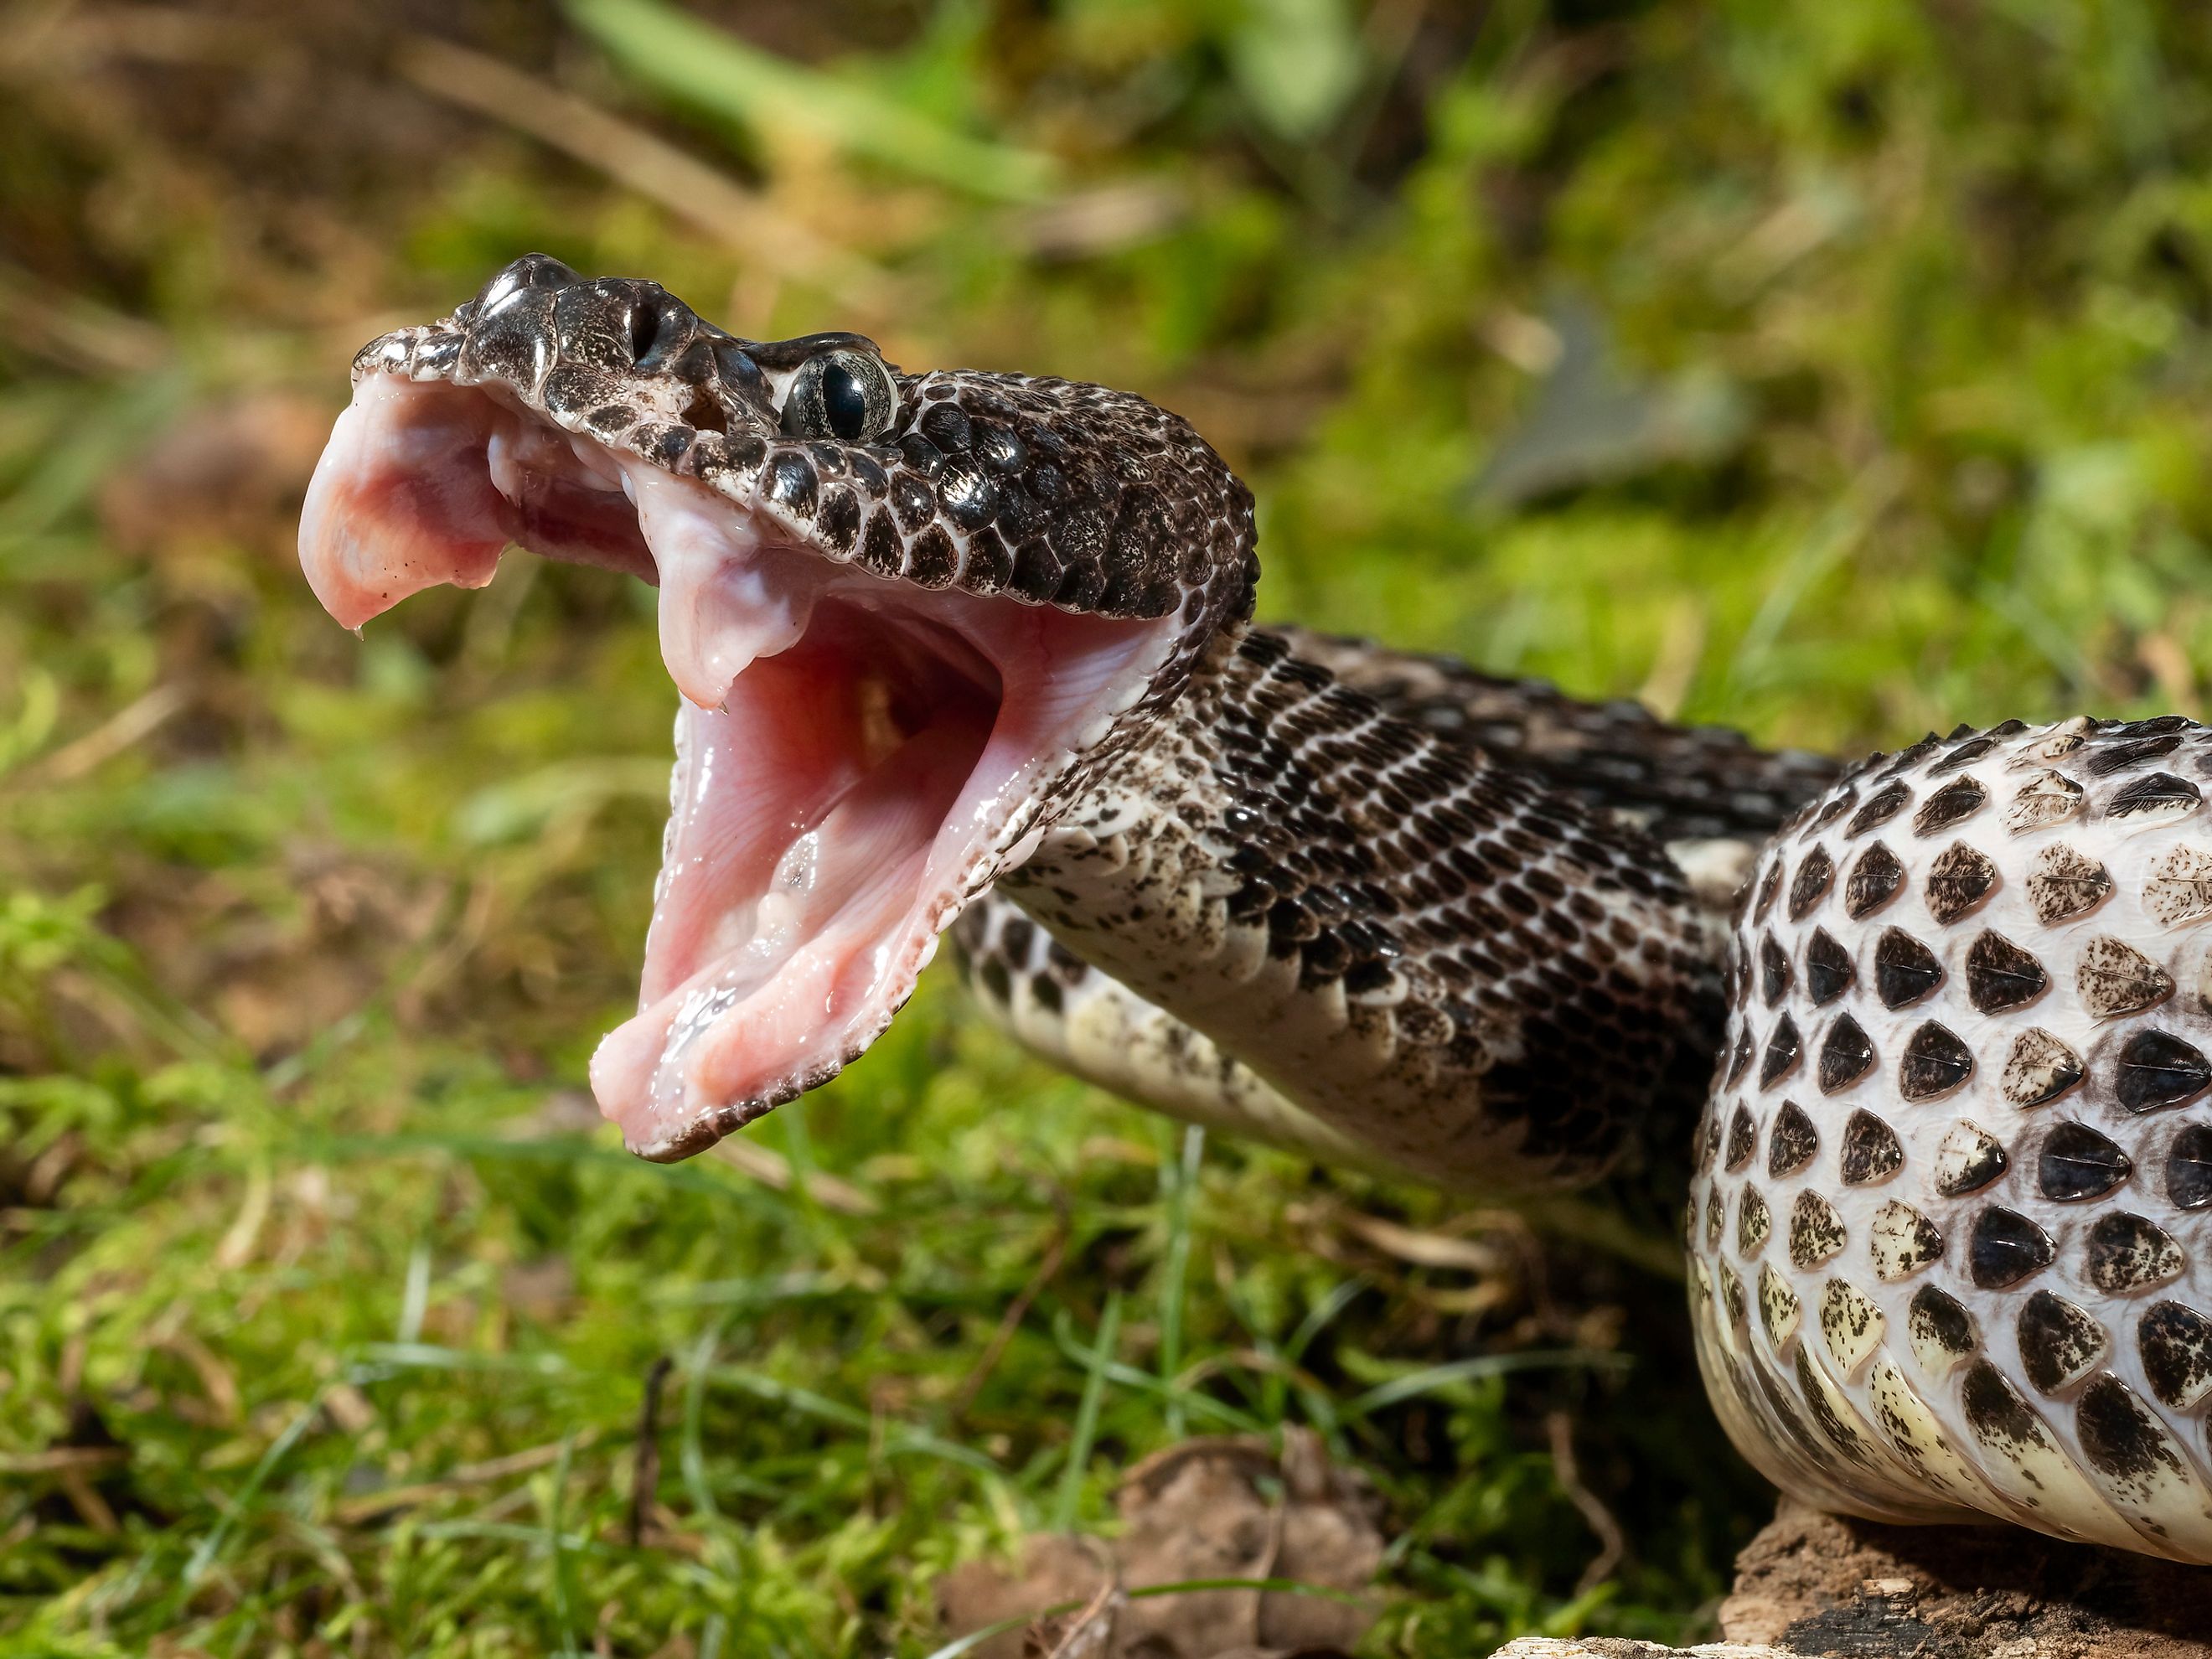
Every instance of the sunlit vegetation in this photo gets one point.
(1835, 371)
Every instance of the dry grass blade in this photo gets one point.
(127, 727)
(377, 1506)
(62, 1460)
(772, 1168)
(73, 331)
(637, 161)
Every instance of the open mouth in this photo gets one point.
(857, 756)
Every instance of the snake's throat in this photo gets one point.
(856, 757)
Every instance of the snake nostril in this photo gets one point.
(646, 323)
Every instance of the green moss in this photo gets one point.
(1835, 372)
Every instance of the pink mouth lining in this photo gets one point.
(856, 758)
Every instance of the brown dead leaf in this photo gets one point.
(1216, 1508)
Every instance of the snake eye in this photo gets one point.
(841, 394)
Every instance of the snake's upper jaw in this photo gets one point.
(857, 757)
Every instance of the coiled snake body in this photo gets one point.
(965, 642)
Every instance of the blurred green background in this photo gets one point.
(1836, 371)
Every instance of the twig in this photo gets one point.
(645, 1477)
(1011, 1321)
(1612, 1545)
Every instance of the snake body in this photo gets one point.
(1379, 908)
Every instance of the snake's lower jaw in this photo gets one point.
(856, 758)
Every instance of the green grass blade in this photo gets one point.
(694, 62)
(1087, 1416)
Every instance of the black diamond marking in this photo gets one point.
(1781, 1057)
(2189, 1168)
(1873, 881)
(1905, 759)
(1743, 1138)
(1959, 799)
(2121, 755)
(1934, 1062)
(1792, 1143)
(1739, 1060)
(1880, 807)
(2077, 1162)
(2001, 976)
(2158, 1069)
(1845, 1055)
(2161, 795)
(1871, 1151)
(1773, 971)
(1965, 755)
(1769, 885)
(1904, 970)
(2006, 1248)
(1828, 971)
(1815, 876)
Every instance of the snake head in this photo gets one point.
(908, 614)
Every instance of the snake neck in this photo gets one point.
(1467, 972)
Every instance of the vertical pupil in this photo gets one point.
(844, 401)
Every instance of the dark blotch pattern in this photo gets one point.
(2158, 1070)
(2189, 1168)
(1871, 1152)
(1955, 802)
(2039, 1069)
(2005, 1247)
(2063, 885)
(1828, 970)
(1782, 1052)
(1792, 1143)
(1904, 970)
(2077, 1162)
(1880, 807)
(1934, 1063)
(1875, 880)
(1847, 1054)
(2001, 976)
(1813, 878)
